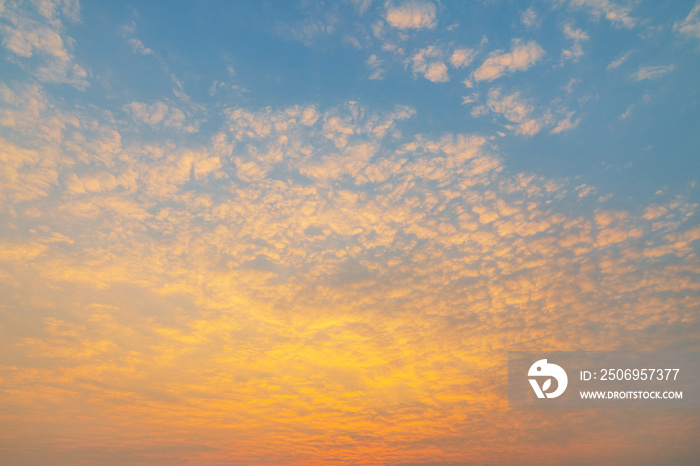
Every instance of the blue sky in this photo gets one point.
(607, 76)
(291, 232)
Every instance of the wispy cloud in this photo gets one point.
(138, 47)
(308, 30)
(619, 61)
(375, 64)
(614, 12)
(529, 18)
(652, 72)
(690, 26)
(577, 36)
(566, 124)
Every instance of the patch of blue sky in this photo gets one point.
(609, 95)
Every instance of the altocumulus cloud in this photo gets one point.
(290, 283)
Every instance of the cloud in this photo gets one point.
(520, 113)
(26, 174)
(29, 32)
(262, 278)
(690, 26)
(138, 47)
(617, 14)
(577, 36)
(585, 190)
(529, 18)
(350, 40)
(514, 109)
(461, 58)
(437, 72)
(619, 61)
(302, 264)
(521, 57)
(566, 124)
(375, 64)
(159, 114)
(653, 212)
(627, 113)
(411, 15)
(429, 62)
(470, 98)
(652, 72)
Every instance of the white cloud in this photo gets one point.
(690, 26)
(574, 34)
(569, 88)
(309, 116)
(585, 190)
(461, 58)
(516, 110)
(566, 124)
(619, 61)
(614, 12)
(521, 57)
(652, 72)
(411, 15)
(428, 61)
(158, 114)
(437, 72)
(627, 113)
(529, 18)
(29, 33)
(469, 99)
(522, 119)
(138, 47)
(375, 65)
(577, 36)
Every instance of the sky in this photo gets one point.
(307, 232)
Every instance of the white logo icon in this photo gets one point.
(542, 369)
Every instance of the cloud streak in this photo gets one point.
(652, 72)
(690, 26)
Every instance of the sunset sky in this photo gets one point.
(306, 232)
